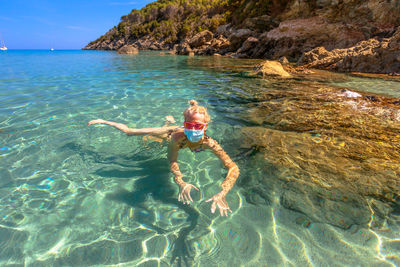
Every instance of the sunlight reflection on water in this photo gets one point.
(78, 195)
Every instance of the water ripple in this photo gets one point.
(75, 195)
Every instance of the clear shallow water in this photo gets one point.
(382, 87)
(72, 195)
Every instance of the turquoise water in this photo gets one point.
(73, 195)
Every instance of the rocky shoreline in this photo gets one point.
(342, 36)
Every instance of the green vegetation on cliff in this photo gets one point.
(170, 20)
(174, 20)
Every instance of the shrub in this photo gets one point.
(170, 19)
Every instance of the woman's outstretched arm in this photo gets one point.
(184, 192)
(131, 131)
(231, 177)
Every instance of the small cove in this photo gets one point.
(78, 195)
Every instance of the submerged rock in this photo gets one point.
(335, 207)
(271, 69)
(332, 147)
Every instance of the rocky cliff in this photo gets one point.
(341, 35)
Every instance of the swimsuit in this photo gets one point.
(199, 149)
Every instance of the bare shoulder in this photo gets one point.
(178, 136)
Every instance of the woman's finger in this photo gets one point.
(188, 198)
(220, 209)
(213, 207)
(187, 194)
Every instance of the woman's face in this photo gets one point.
(196, 117)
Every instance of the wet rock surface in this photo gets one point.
(336, 148)
(271, 69)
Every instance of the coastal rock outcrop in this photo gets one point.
(202, 38)
(128, 49)
(250, 43)
(357, 35)
(373, 56)
(237, 37)
(261, 23)
(293, 37)
(182, 49)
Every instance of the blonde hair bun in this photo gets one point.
(195, 108)
(193, 103)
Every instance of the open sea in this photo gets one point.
(78, 195)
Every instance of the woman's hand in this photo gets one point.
(96, 121)
(169, 119)
(219, 200)
(184, 194)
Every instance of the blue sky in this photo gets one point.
(68, 24)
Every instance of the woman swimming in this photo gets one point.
(191, 135)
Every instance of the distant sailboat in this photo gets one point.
(52, 49)
(3, 46)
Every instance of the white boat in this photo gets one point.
(52, 49)
(3, 46)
